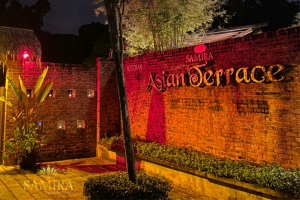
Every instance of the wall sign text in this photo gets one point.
(197, 77)
(134, 67)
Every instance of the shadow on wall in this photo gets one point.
(2, 77)
(109, 107)
(156, 128)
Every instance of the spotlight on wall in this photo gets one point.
(61, 125)
(90, 93)
(50, 94)
(40, 126)
(81, 124)
(70, 93)
(29, 93)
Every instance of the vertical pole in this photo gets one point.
(2, 110)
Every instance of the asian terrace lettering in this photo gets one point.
(197, 77)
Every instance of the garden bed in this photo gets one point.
(202, 182)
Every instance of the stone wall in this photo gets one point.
(256, 122)
(72, 142)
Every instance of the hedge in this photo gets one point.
(270, 176)
(118, 186)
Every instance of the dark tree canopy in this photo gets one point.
(60, 48)
(28, 17)
(3, 6)
(95, 40)
(100, 49)
(278, 13)
(41, 8)
(57, 48)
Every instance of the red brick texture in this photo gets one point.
(246, 121)
(108, 111)
(71, 142)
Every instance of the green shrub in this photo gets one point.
(118, 186)
(274, 176)
(117, 142)
(108, 141)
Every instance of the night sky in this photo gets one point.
(67, 16)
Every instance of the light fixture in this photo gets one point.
(50, 94)
(40, 126)
(90, 93)
(81, 124)
(25, 55)
(60, 125)
(29, 93)
(70, 93)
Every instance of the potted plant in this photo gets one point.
(26, 142)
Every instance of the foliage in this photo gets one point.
(274, 176)
(29, 17)
(108, 141)
(157, 25)
(117, 186)
(95, 42)
(26, 138)
(47, 171)
(101, 49)
(60, 48)
(259, 11)
(24, 142)
(269, 11)
(117, 142)
(297, 20)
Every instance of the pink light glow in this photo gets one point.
(25, 55)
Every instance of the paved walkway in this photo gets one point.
(21, 184)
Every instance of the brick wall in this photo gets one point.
(246, 121)
(108, 111)
(71, 142)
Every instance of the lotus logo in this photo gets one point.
(199, 55)
(200, 48)
(47, 171)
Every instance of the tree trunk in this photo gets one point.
(115, 26)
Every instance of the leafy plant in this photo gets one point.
(108, 141)
(274, 176)
(26, 138)
(159, 25)
(118, 186)
(270, 176)
(47, 171)
(117, 142)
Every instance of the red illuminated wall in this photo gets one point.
(71, 142)
(246, 121)
(108, 107)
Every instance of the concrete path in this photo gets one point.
(21, 184)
